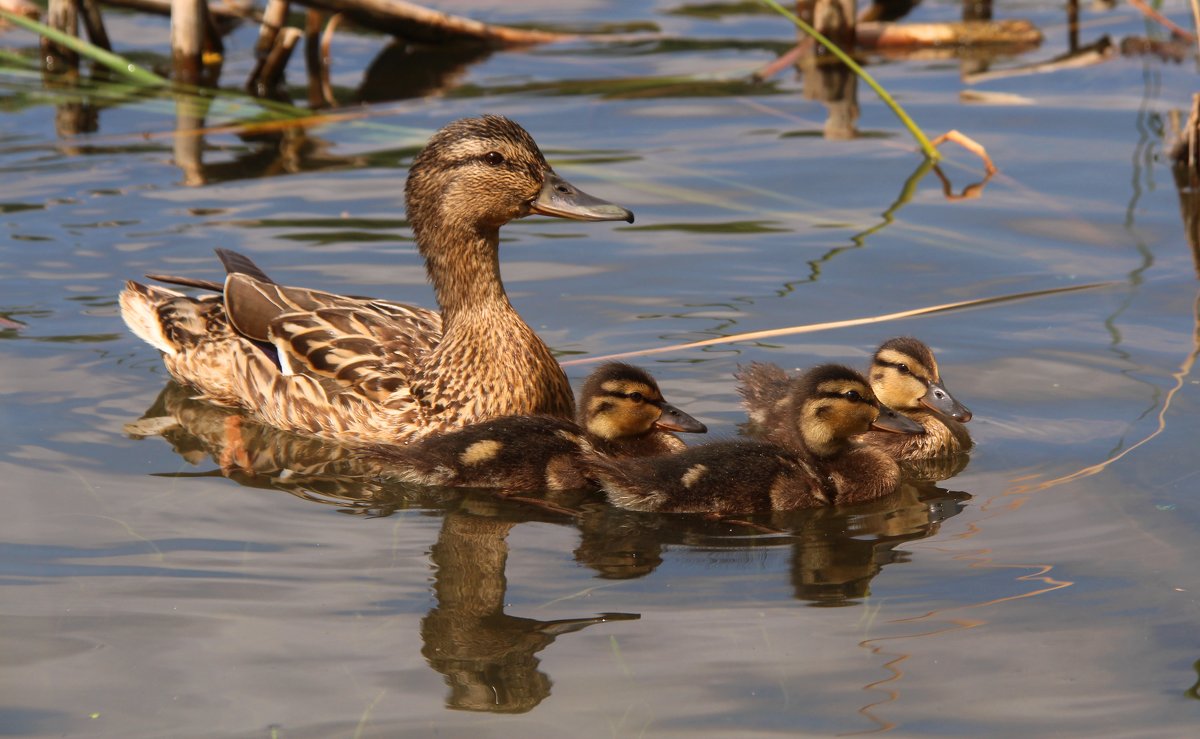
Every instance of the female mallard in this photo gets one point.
(370, 370)
(816, 463)
(622, 414)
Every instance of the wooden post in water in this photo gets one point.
(276, 61)
(826, 79)
(315, 63)
(61, 15)
(274, 18)
(1072, 25)
(1185, 168)
(187, 39)
(94, 24)
(835, 20)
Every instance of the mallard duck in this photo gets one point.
(905, 376)
(370, 370)
(817, 464)
(622, 414)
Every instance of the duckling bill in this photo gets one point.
(372, 371)
(622, 414)
(815, 463)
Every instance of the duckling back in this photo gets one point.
(721, 478)
(622, 414)
(513, 453)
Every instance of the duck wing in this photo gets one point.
(370, 346)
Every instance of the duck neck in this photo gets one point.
(463, 263)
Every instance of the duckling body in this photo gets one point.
(622, 414)
(370, 370)
(904, 375)
(810, 461)
(725, 478)
(905, 378)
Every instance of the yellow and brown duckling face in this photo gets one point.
(480, 173)
(620, 401)
(905, 376)
(833, 403)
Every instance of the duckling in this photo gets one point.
(816, 464)
(905, 376)
(622, 414)
(365, 370)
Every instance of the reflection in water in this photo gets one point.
(489, 658)
(402, 71)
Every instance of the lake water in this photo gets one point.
(167, 586)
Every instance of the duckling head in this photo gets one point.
(620, 401)
(905, 376)
(477, 174)
(832, 403)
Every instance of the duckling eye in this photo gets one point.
(852, 395)
(903, 368)
(636, 397)
(494, 158)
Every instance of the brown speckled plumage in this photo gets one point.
(622, 414)
(358, 369)
(810, 461)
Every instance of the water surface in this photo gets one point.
(168, 586)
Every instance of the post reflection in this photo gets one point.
(489, 658)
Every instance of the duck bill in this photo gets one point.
(561, 199)
(939, 400)
(673, 419)
(896, 423)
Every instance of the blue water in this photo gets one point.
(166, 586)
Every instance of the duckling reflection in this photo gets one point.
(838, 552)
(488, 657)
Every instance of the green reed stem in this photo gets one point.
(930, 152)
(118, 64)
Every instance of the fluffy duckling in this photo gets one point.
(621, 414)
(905, 376)
(366, 370)
(816, 463)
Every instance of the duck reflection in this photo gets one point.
(489, 659)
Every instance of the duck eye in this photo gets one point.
(903, 368)
(636, 397)
(851, 395)
(494, 158)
